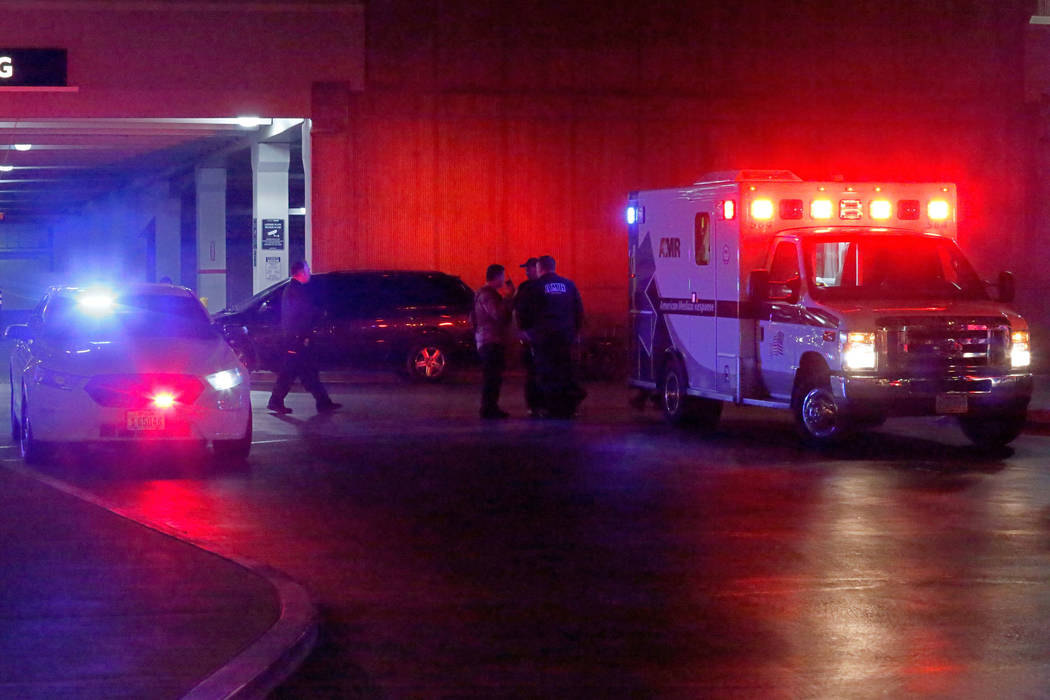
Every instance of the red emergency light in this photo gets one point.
(729, 209)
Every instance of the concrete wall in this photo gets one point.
(491, 131)
(186, 59)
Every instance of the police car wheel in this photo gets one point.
(33, 451)
(16, 429)
(235, 449)
(428, 362)
(993, 431)
(817, 416)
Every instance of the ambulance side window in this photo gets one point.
(702, 238)
(785, 263)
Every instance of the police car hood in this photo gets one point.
(196, 356)
(868, 315)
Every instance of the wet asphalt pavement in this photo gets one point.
(616, 557)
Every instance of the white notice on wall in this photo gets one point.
(273, 269)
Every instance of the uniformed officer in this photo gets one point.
(297, 320)
(532, 389)
(553, 316)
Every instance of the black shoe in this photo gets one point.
(278, 408)
(328, 407)
(495, 414)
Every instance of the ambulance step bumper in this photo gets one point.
(925, 396)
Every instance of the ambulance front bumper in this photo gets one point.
(925, 396)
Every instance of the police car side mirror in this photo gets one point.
(1007, 287)
(18, 331)
(758, 286)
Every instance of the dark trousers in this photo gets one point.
(493, 361)
(554, 374)
(533, 399)
(299, 364)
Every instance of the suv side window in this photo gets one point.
(784, 267)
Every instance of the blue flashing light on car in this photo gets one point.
(95, 302)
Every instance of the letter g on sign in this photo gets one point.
(6, 68)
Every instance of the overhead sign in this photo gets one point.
(33, 67)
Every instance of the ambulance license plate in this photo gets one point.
(144, 420)
(952, 403)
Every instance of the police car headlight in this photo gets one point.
(225, 380)
(53, 378)
(1020, 349)
(859, 351)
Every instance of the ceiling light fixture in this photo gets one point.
(6, 168)
(251, 122)
(23, 146)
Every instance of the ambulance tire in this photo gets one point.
(818, 420)
(995, 431)
(680, 409)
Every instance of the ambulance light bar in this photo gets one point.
(852, 209)
(762, 209)
(938, 209)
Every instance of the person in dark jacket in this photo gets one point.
(297, 320)
(552, 315)
(532, 387)
(492, 314)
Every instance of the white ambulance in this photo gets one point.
(843, 302)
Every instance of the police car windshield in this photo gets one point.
(130, 316)
(874, 266)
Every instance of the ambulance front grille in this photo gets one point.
(936, 345)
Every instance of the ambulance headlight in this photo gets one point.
(225, 380)
(859, 351)
(1020, 349)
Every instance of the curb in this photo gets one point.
(265, 663)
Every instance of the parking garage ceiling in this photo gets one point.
(71, 162)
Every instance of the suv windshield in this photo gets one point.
(874, 266)
(137, 316)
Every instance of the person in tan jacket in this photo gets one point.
(492, 317)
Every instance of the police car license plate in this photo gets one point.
(952, 403)
(144, 420)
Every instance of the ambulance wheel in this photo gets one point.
(993, 431)
(818, 420)
(681, 409)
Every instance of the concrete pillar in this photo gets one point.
(270, 214)
(308, 242)
(169, 243)
(331, 166)
(211, 237)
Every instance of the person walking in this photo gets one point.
(553, 314)
(492, 316)
(297, 320)
(532, 388)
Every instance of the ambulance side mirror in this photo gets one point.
(787, 292)
(1007, 287)
(758, 286)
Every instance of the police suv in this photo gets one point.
(843, 302)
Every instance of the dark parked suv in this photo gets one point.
(417, 321)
